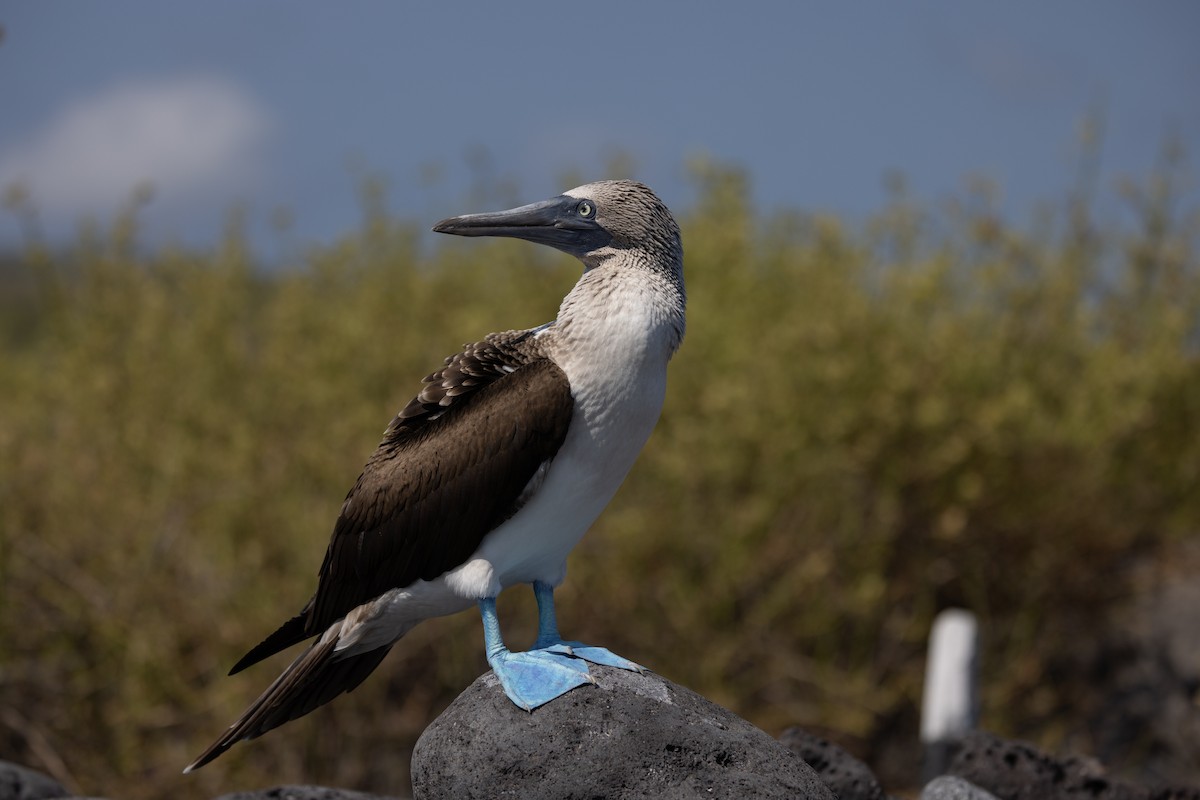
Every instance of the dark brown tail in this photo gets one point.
(289, 633)
(313, 679)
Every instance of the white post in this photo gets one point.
(950, 706)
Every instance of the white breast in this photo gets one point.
(614, 346)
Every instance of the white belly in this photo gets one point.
(602, 443)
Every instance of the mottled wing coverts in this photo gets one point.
(441, 478)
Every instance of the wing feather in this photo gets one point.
(432, 491)
(454, 463)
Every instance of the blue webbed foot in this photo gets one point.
(548, 637)
(536, 677)
(600, 655)
(532, 678)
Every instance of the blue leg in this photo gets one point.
(529, 679)
(549, 638)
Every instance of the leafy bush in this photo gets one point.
(865, 425)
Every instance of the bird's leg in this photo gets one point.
(533, 678)
(550, 640)
(548, 637)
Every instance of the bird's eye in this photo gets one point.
(585, 209)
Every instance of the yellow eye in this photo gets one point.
(585, 209)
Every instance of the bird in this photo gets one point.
(494, 471)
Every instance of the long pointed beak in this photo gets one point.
(552, 222)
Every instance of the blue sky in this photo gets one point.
(277, 104)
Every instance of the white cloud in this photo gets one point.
(185, 136)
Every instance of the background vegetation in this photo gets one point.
(866, 424)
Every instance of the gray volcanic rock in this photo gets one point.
(23, 783)
(948, 787)
(629, 736)
(849, 778)
(1018, 771)
(303, 793)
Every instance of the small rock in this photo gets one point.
(849, 778)
(23, 783)
(948, 787)
(1019, 771)
(629, 736)
(303, 793)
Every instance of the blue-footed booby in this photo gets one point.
(494, 471)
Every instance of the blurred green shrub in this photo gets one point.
(864, 426)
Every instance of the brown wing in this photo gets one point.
(450, 468)
(433, 489)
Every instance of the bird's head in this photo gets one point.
(591, 222)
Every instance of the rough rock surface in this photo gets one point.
(303, 793)
(22, 783)
(849, 778)
(1018, 771)
(629, 736)
(1140, 681)
(948, 787)
(642, 736)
